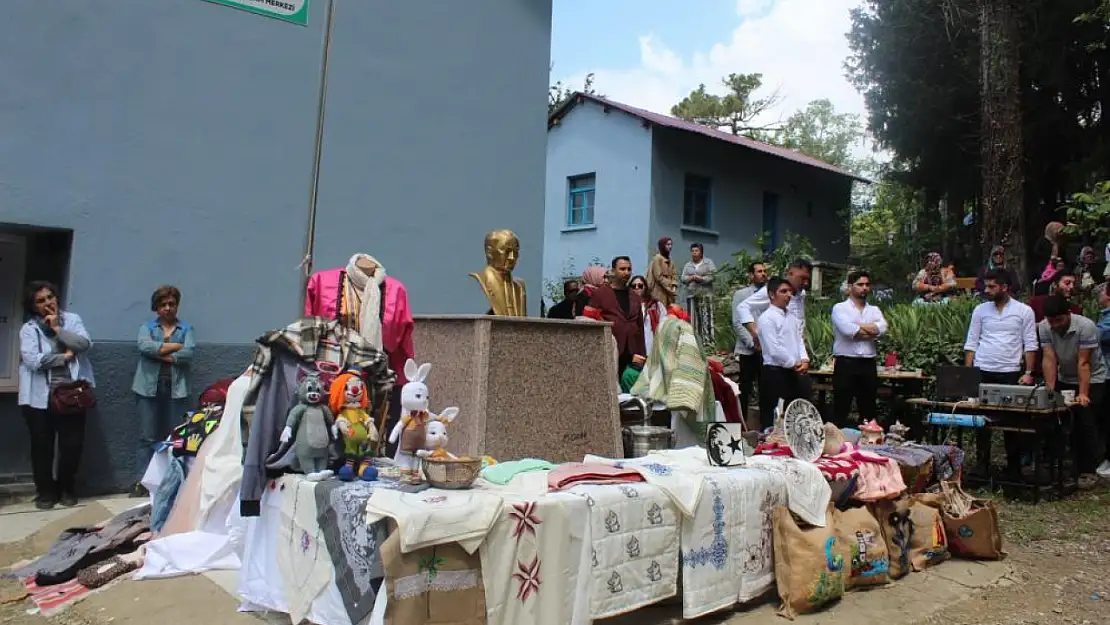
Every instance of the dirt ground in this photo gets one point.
(1059, 556)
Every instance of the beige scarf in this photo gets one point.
(370, 321)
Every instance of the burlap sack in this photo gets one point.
(809, 566)
(439, 585)
(928, 542)
(859, 536)
(894, 519)
(971, 524)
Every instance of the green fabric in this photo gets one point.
(628, 378)
(676, 372)
(503, 472)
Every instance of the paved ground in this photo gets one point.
(1059, 573)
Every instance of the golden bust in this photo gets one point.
(506, 295)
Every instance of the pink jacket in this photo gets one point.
(322, 300)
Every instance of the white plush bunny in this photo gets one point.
(411, 430)
(435, 437)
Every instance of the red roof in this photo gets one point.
(712, 133)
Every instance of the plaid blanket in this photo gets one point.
(676, 373)
(318, 339)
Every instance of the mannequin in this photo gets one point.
(330, 294)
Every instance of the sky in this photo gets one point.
(652, 53)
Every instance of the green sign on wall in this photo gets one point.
(295, 11)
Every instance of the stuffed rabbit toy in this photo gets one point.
(435, 437)
(411, 430)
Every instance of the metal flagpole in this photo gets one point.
(321, 108)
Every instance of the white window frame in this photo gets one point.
(14, 312)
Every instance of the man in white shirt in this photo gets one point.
(1002, 334)
(746, 352)
(748, 310)
(856, 327)
(784, 354)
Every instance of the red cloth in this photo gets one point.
(724, 394)
(837, 469)
(653, 315)
(774, 449)
(216, 393)
(573, 473)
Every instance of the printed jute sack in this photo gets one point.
(861, 540)
(440, 585)
(893, 516)
(928, 543)
(809, 566)
(971, 524)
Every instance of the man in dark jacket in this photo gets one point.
(565, 308)
(622, 307)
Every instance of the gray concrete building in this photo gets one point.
(145, 142)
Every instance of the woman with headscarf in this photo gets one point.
(1089, 269)
(661, 285)
(997, 262)
(592, 278)
(930, 281)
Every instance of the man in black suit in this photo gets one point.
(565, 308)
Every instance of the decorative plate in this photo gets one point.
(805, 430)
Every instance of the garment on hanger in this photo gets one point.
(329, 294)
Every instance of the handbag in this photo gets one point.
(69, 398)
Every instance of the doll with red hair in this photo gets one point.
(350, 403)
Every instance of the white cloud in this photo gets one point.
(798, 45)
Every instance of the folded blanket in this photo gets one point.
(572, 473)
(503, 472)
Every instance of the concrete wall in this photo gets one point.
(174, 138)
(739, 178)
(617, 149)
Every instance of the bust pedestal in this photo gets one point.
(539, 388)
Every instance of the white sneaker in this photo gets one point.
(1103, 469)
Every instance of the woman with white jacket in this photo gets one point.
(53, 348)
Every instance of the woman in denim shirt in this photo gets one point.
(53, 347)
(166, 346)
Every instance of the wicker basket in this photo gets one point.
(452, 474)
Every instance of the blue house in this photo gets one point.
(147, 142)
(619, 178)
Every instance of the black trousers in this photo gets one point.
(750, 368)
(1087, 440)
(1012, 439)
(779, 383)
(854, 378)
(48, 429)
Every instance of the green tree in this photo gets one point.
(819, 131)
(735, 111)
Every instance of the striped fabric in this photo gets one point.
(676, 372)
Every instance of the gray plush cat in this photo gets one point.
(311, 427)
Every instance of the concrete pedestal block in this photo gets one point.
(525, 388)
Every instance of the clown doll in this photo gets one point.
(348, 400)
